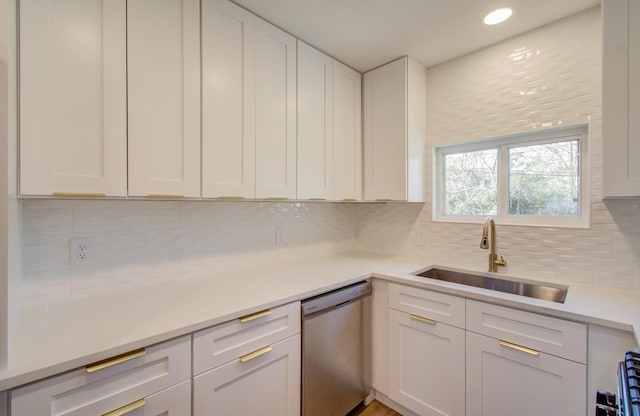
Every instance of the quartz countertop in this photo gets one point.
(57, 338)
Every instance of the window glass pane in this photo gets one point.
(545, 179)
(470, 186)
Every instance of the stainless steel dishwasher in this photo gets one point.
(334, 350)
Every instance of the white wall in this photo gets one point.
(548, 77)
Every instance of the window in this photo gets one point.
(538, 178)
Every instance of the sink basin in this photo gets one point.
(529, 288)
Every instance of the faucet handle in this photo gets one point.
(500, 262)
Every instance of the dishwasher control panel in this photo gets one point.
(336, 298)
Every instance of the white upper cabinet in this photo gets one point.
(163, 40)
(228, 100)
(315, 71)
(73, 109)
(621, 98)
(329, 131)
(394, 131)
(347, 134)
(275, 101)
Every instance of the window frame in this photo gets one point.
(502, 144)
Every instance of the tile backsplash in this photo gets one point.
(547, 77)
(142, 243)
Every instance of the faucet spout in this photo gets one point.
(488, 241)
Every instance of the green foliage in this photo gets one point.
(543, 180)
(471, 184)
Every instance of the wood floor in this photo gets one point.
(375, 408)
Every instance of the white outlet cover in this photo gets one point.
(81, 251)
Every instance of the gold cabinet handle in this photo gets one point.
(126, 409)
(519, 347)
(231, 196)
(255, 316)
(384, 199)
(255, 354)
(277, 197)
(118, 359)
(165, 196)
(423, 319)
(80, 194)
(349, 199)
(317, 199)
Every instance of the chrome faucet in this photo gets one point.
(494, 262)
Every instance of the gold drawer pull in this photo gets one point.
(519, 347)
(231, 196)
(80, 194)
(384, 199)
(277, 197)
(126, 409)
(118, 359)
(349, 199)
(255, 316)
(422, 319)
(317, 199)
(165, 196)
(255, 354)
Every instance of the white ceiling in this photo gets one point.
(367, 33)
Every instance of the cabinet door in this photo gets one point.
(73, 97)
(163, 40)
(228, 100)
(347, 138)
(621, 97)
(426, 365)
(275, 127)
(267, 385)
(315, 71)
(385, 132)
(503, 381)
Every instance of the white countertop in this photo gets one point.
(57, 338)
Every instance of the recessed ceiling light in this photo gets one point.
(497, 16)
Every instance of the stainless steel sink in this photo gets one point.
(529, 288)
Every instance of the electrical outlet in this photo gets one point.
(81, 251)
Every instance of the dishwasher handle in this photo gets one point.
(336, 298)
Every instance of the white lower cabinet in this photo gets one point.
(503, 380)
(449, 355)
(250, 365)
(426, 351)
(426, 365)
(266, 384)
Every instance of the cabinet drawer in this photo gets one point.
(542, 333)
(96, 391)
(426, 304)
(225, 342)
